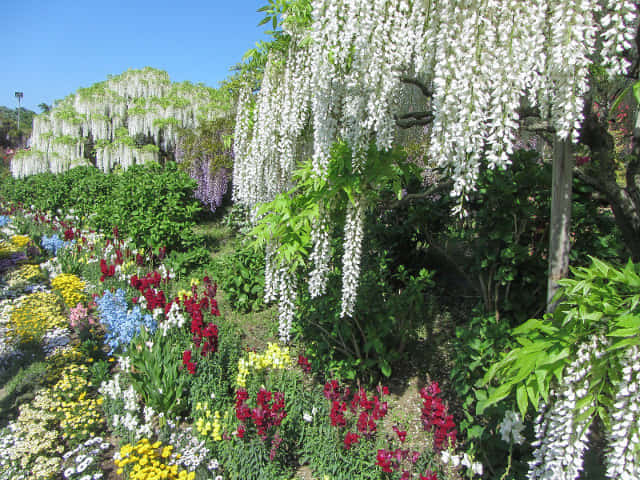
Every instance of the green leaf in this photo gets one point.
(521, 398)
(475, 432)
(385, 368)
(495, 396)
(636, 91)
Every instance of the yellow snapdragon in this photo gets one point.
(208, 424)
(273, 357)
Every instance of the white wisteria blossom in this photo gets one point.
(353, 234)
(623, 459)
(561, 435)
(355, 76)
(511, 428)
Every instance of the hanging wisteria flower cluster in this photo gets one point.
(475, 62)
(561, 429)
(624, 438)
(114, 113)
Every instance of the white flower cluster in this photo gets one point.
(618, 23)
(174, 319)
(353, 234)
(511, 428)
(56, 340)
(561, 437)
(130, 401)
(286, 303)
(113, 112)
(481, 59)
(192, 451)
(270, 274)
(280, 285)
(623, 460)
(320, 255)
(9, 345)
(84, 455)
(465, 460)
(52, 267)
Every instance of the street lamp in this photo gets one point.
(19, 96)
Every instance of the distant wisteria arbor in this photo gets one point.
(127, 119)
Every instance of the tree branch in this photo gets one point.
(413, 119)
(426, 91)
(433, 189)
(536, 124)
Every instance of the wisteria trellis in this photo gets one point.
(478, 60)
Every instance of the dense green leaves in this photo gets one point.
(241, 277)
(153, 204)
(599, 301)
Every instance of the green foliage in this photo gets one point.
(250, 460)
(599, 301)
(390, 306)
(241, 277)
(211, 140)
(156, 374)
(152, 204)
(10, 136)
(288, 219)
(392, 295)
(479, 344)
(184, 262)
(238, 219)
(20, 383)
(500, 250)
(214, 380)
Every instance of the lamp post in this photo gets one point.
(19, 96)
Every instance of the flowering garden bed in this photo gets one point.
(114, 367)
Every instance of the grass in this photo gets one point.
(21, 382)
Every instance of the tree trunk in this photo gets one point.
(600, 173)
(560, 217)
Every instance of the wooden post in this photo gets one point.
(560, 217)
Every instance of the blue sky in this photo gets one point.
(50, 48)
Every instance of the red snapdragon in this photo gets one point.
(435, 418)
(350, 439)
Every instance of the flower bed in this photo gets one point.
(145, 375)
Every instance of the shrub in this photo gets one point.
(241, 277)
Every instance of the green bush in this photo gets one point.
(390, 306)
(241, 277)
(152, 204)
(499, 252)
